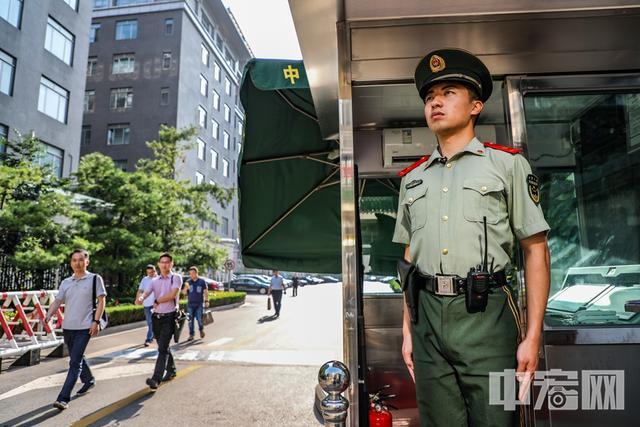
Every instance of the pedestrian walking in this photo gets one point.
(295, 282)
(276, 288)
(80, 323)
(461, 213)
(197, 300)
(165, 287)
(145, 284)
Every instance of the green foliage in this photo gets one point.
(395, 286)
(38, 222)
(138, 215)
(128, 313)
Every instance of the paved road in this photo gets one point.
(243, 372)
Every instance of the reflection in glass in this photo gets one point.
(584, 148)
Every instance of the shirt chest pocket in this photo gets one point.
(483, 197)
(415, 204)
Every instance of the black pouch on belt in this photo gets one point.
(407, 273)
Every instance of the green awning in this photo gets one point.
(289, 178)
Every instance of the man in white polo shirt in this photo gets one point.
(145, 284)
(80, 323)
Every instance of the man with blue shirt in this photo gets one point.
(165, 287)
(145, 284)
(80, 322)
(198, 299)
(276, 288)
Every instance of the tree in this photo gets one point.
(138, 215)
(39, 224)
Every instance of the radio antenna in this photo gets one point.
(486, 245)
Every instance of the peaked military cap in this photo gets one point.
(455, 65)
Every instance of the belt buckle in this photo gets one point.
(446, 286)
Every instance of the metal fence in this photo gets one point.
(14, 279)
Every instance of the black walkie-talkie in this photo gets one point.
(479, 281)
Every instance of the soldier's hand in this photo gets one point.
(407, 355)
(527, 356)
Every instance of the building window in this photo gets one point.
(93, 33)
(204, 86)
(85, 137)
(202, 117)
(240, 126)
(118, 134)
(227, 113)
(11, 11)
(51, 158)
(216, 71)
(166, 60)
(201, 149)
(92, 64)
(127, 30)
(97, 4)
(59, 41)
(73, 4)
(225, 167)
(219, 42)
(215, 128)
(121, 164)
(225, 139)
(164, 96)
(225, 226)
(89, 100)
(168, 26)
(239, 146)
(7, 71)
(53, 100)
(227, 86)
(214, 159)
(216, 100)
(206, 23)
(123, 63)
(4, 136)
(204, 55)
(121, 98)
(199, 178)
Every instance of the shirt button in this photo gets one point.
(445, 189)
(445, 251)
(445, 218)
(449, 165)
(410, 200)
(483, 188)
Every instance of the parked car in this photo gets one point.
(248, 284)
(329, 279)
(261, 277)
(212, 285)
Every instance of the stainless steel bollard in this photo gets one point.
(334, 378)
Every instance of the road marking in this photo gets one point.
(221, 341)
(122, 403)
(189, 355)
(100, 372)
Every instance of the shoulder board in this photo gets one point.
(408, 169)
(504, 148)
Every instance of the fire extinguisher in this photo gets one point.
(379, 414)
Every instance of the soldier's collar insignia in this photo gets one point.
(436, 63)
(533, 185)
(413, 184)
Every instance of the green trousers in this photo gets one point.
(453, 353)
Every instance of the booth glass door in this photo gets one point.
(581, 135)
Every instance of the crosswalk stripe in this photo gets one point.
(221, 341)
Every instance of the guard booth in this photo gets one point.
(566, 91)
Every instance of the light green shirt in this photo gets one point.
(441, 209)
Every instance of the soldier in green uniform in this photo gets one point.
(465, 197)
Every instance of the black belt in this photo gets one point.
(452, 285)
(161, 315)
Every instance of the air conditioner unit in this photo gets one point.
(404, 146)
